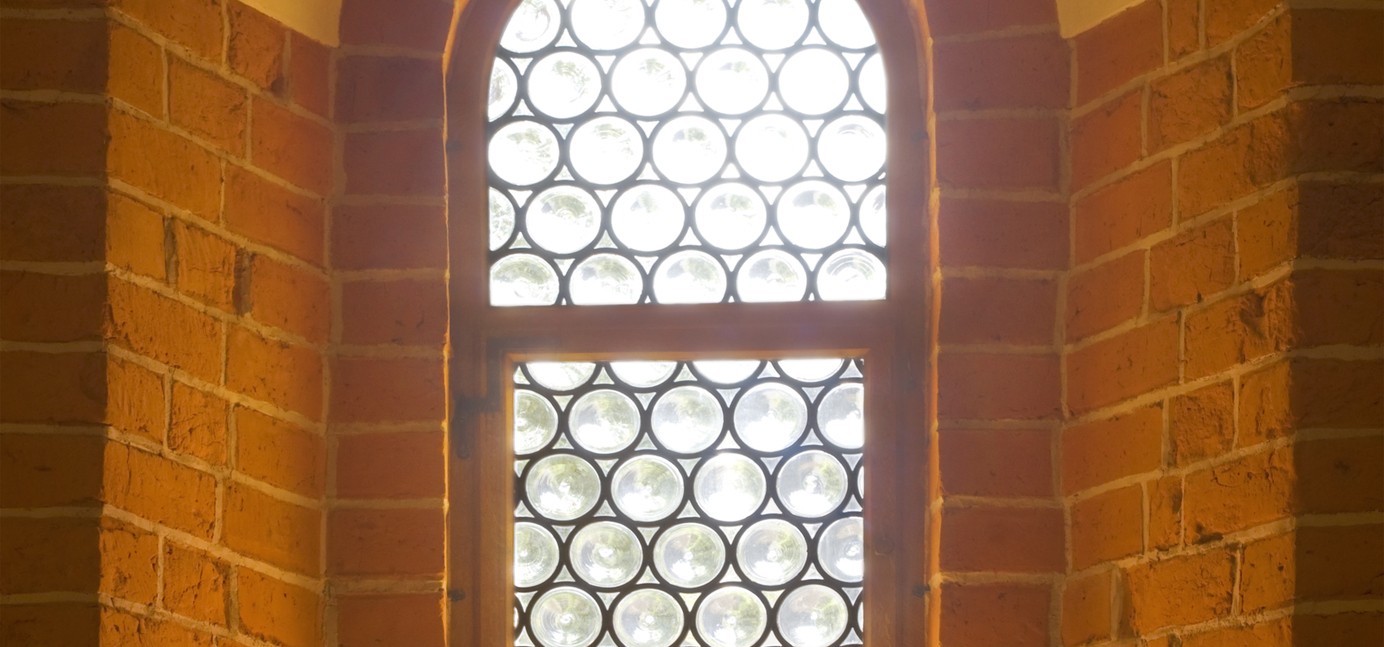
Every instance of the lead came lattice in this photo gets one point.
(689, 503)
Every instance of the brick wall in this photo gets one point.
(1221, 465)
(165, 321)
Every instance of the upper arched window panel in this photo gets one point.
(686, 151)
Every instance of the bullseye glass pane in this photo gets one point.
(692, 126)
(672, 503)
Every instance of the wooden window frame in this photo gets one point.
(896, 337)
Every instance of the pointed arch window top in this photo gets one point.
(686, 151)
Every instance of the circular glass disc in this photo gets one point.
(772, 24)
(813, 214)
(771, 275)
(501, 219)
(731, 617)
(604, 421)
(729, 487)
(845, 24)
(532, 26)
(814, 81)
(689, 150)
(770, 417)
(731, 216)
(690, 24)
(648, 618)
(535, 554)
(563, 219)
(535, 422)
(852, 148)
(560, 376)
(565, 617)
(689, 555)
(564, 85)
(812, 484)
(643, 374)
(771, 148)
(852, 275)
(606, 150)
(607, 24)
(687, 419)
(648, 82)
(562, 487)
(522, 280)
(648, 218)
(771, 552)
(727, 371)
(732, 81)
(647, 488)
(841, 549)
(872, 216)
(841, 416)
(523, 153)
(606, 279)
(810, 370)
(606, 554)
(504, 87)
(690, 277)
(812, 616)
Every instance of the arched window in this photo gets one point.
(689, 309)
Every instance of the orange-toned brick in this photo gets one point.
(160, 490)
(1235, 164)
(1264, 64)
(1086, 609)
(49, 470)
(282, 374)
(119, 627)
(1026, 71)
(135, 400)
(998, 386)
(1337, 135)
(414, 24)
(281, 533)
(389, 237)
(195, 584)
(1105, 296)
(988, 15)
(1129, 364)
(993, 538)
(1238, 329)
(1118, 50)
(33, 61)
(404, 311)
(1269, 633)
(367, 466)
(198, 424)
(981, 615)
(385, 89)
(996, 462)
(383, 620)
(288, 297)
(1340, 220)
(278, 611)
(1341, 475)
(205, 265)
(57, 387)
(135, 70)
(1165, 513)
(136, 238)
(1354, 628)
(367, 389)
(1266, 233)
(1189, 103)
(256, 47)
(53, 623)
(1003, 233)
(291, 146)
(66, 139)
(194, 24)
(1124, 211)
(1001, 153)
(1107, 139)
(394, 542)
(309, 73)
(395, 163)
(165, 165)
(1337, 47)
(1339, 307)
(266, 212)
(1102, 451)
(1230, 17)
(1201, 424)
(1192, 265)
(1107, 526)
(208, 105)
(1239, 494)
(50, 555)
(164, 330)
(1284, 397)
(1177, 591)
(280, 453)
(129, 562)
(998, 310)
(1313, 564)
(1183, 27)
(51, 308)
(28, 217)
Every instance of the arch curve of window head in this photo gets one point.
(686, 151)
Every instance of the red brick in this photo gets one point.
(395, 163)
(51, 308)
(368, 389)
(64, 139)
(195, 584)
(136, 238)
(998, 153)
(160, 490)
(199, 423)
(1239, 329)
(395, 542)
(194, 24)
(983, 615)
(1098, 452)
(165, 330)
(309, 74)
(66, 55)
(135, 400)
(998, 386)
(280, 454)
(284, 534)
(129, 562)
(256, 47)
(1341, 475)
(1313, 564)
(1107, 527)
(1190, 103)
(1337, 47)
(384, 89)
(1105, 296)
(1121, 367)
(1178, 591)
(1242, 160)
(206, 266)
(988, 15)
(1339, 307)
(1124, 211)
(390, 619)
(53, 623)
(1269, 633)
(1107, 139)
(389, 237)
(367, 466)
(165, 165)
(405, 311)
(268, 213)
(58, 387)
(996, 462)
(1201, 424)
(1230, 17)
(49, 470)
(31, 216)
(1165, 513)
(123, 629)
(276, 372)
(414, 24)
(1000, 233)
(1338, 135)
(994, 310)
(1239, 494)
(135, 70)
(1086, 609)
(1118, 50)
(278, 611)
(295, 148)
(288, 297)
(50, 555)
(992, 538)
(1264, 64)
(1183, 27)
(1192, 265)
(1284, 397)
(1340, 220)
(1028, 71)
(207, 105)
(1353, 628)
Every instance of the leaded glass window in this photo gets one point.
(663, 503)
(686, 151)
